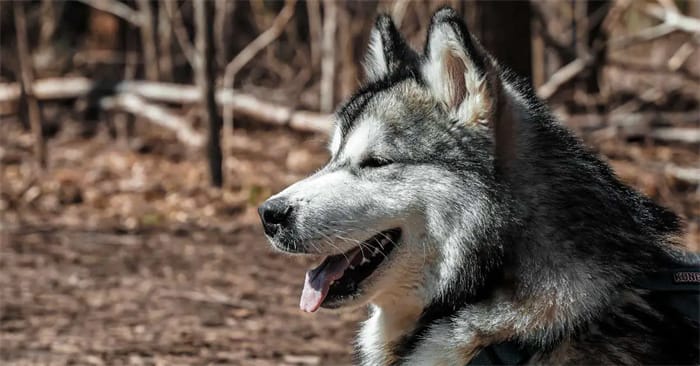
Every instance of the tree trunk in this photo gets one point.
(33, 113)
(204, 43)
(328, 50)
(595, 11)
(148, 40)
(503, 27)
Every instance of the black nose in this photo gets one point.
(274, 214)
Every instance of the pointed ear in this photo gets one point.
(467, 80)
(388, 51)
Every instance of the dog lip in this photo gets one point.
(348, 286)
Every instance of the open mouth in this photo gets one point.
(338, 276)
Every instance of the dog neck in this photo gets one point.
(391, 318)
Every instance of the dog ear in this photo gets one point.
(388, 51)
(467, 80)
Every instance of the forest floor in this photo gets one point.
(121, 254)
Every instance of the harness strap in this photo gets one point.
(506, 353)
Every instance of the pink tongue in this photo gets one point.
(318, 280)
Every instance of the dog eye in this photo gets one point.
(374, 162)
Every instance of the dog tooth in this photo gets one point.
(352, 267)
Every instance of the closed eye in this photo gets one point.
(374, 162)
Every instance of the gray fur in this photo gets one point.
(544, 251)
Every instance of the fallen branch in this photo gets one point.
(245, 104)
(630, 123)
(136, 105)
(688, 175)
(212, 298)
(260, 110)
(677, 134)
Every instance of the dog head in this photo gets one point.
(411, 193)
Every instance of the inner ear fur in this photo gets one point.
(467, 80)
(388, 52)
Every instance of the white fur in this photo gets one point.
(368, 132)
(375, 61)
(334, 145)
(475, 106)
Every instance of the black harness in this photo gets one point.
(681, 288)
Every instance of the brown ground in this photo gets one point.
(121, 255)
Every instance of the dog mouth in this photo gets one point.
(339, 276)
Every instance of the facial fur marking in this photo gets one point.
(336, 140)
(357, 143)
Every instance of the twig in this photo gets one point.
(328, 56)
(116, 8)
(313, 9)
(646, 68)
(221, 22)
(136, 105)
(50, 15)
(673, 18)
(27, 85)
(680, 56)
(219, 299)
(562, 76)
(148, 40)
(183, 39)
(645, 35)
(252, 49)
(677, 134)
(165, 43)
(562, 50)
(690, 175)
(671, 23)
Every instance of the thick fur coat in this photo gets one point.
(503, 226)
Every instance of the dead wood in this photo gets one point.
(244, 104)
(26, 86)
(156, 114)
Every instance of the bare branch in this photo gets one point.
(116, 8)
(673, 18)
(677, 134)
(562, 76)
(328, 56)
(27, 85)
(148, 40)
(183, 39)
(252, 49)
(313, 9)
(165, 34)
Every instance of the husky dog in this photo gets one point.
(457, 207)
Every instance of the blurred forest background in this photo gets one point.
(138, 137)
